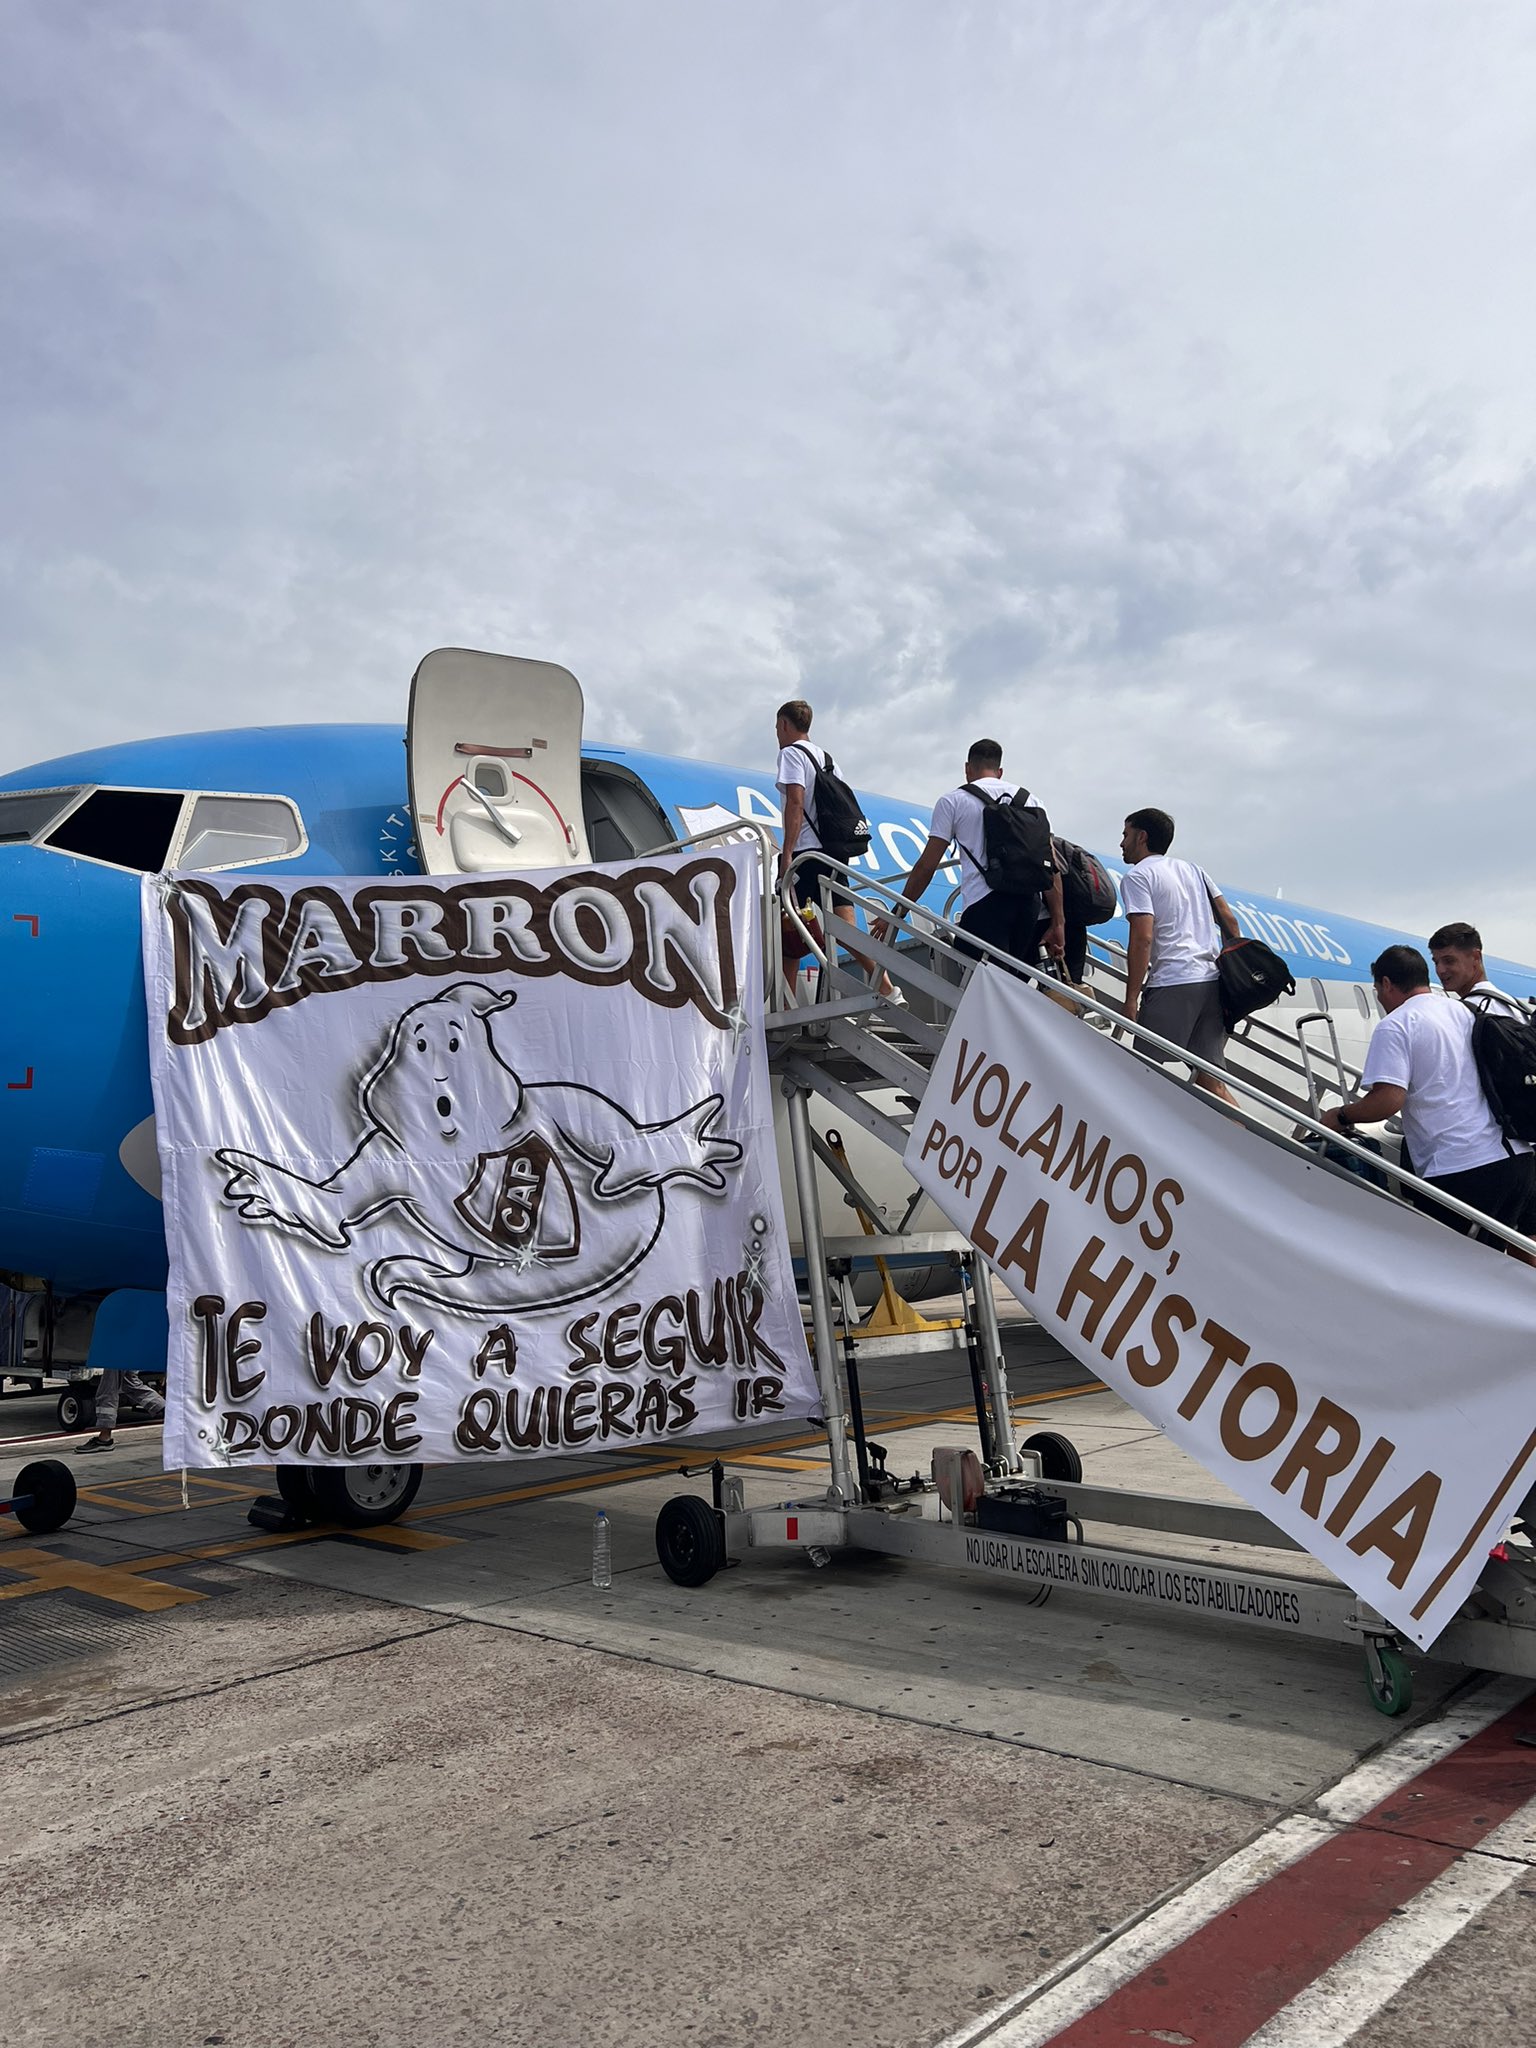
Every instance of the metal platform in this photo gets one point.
(870, 1057)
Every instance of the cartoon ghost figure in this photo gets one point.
(542, 1193)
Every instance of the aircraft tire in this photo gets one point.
(362, 1496)
(76, 1410)
(690, 1542)
(1058, 1456)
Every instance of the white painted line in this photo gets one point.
(1335, 2008)
(1513, 1839)
(1369, 1783)
(1032, 2016)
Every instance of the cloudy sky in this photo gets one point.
(1150, 385)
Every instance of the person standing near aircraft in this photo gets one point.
(1015, 922)
(1177, 920)
(1419, 1065)
(799, 759)
(113, 1389)
(1457, 951)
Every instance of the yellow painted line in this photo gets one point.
(114, 1582)
(763, 1463)
(778, 1450)
(579, 1483)
(47, 1573)
(270, 1539)
(404, 1535)
(394, 1536)
(154, 1495)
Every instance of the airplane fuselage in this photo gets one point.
(76, 1159)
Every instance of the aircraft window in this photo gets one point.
(1319, 994)
(28, 812)
(1362, 1001)
(126, 828)
(622, 818)
(489, 777)
(240, 831)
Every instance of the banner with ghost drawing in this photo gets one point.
(462, 1169)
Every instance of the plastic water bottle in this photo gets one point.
(602, 1552)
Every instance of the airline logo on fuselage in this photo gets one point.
(1297, 938)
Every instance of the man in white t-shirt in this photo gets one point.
(1419, 1065)
(1177, 920)
(1457, 951)
(799, 758)
(1014, 924)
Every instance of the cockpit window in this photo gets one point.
(239, 831)
(127, 828)
(28, 812)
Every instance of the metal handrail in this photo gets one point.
(939, 936)
(1257, 1034)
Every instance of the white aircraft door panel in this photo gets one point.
(494, 757)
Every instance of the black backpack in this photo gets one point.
(1504, 1049)
(840, 823)
(1016, 837)
(1087, 888)
(1249, 975)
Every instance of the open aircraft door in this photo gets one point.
(494, 754)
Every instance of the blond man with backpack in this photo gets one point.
(821, 815)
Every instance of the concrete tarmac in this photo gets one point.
(429, 1786)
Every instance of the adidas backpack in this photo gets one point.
(837, 814)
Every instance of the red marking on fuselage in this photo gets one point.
(21, 1084)
(544, 793)
(23, 917)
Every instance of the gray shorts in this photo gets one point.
(1188, 1012)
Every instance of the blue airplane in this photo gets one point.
(79, 1212)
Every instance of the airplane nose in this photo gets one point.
(73, 1079)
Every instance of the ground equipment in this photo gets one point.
(1032, 1519)
(44, 1496)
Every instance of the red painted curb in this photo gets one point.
(1221, 1984)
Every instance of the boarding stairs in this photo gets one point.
(833, 1035)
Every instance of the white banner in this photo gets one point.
(468, 1169)
(1356, 1371)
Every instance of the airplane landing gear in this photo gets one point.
(353, 1496)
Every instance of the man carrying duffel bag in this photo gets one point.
(1178, 921)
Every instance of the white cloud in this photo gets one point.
(1146, 384)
